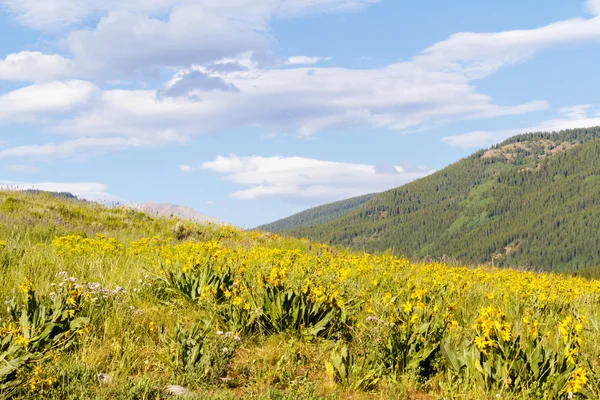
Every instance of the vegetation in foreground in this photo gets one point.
(110, 303)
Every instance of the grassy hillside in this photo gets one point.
(530, 201)
(110, 303)
(317, 215)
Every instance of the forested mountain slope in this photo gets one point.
(533, 200)
(317, 215)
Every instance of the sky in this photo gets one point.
(252, 110)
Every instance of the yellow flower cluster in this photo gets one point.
(577, 381)
(40, 382)
(490, 327)
(27, 285)
(571, 330)
(76, 245)
(382, 284)
(277, 275)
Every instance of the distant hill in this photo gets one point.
(317, 215)
(183, 212)
(533, 200)
(64, 195)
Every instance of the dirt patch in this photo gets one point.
(539, 149)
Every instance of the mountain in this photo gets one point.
(183, 212)
(533, 200)
(317, 215)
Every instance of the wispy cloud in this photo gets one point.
(186, 168)
(568, 118)
(45, 99)
(305, 60)
(593, 6)
(48, 15)
(308, 180)
(71, 148)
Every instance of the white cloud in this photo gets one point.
(84, 190)
(126, 42)
(71, 148)
(226, 87)
(305, 179)
(298, 100)
(124, 37)
(45, 98)
(29, 66)
(432, 89)
(593, 6)
(141, 115)
(143, 36)
(305, 60)
(477, 55)
(570, 118)
(575, 112)
(52, 14)
(186, 168)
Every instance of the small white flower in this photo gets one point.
(225, 350)
(219, 333)
(236, 337)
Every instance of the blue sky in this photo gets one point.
(251, 110)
